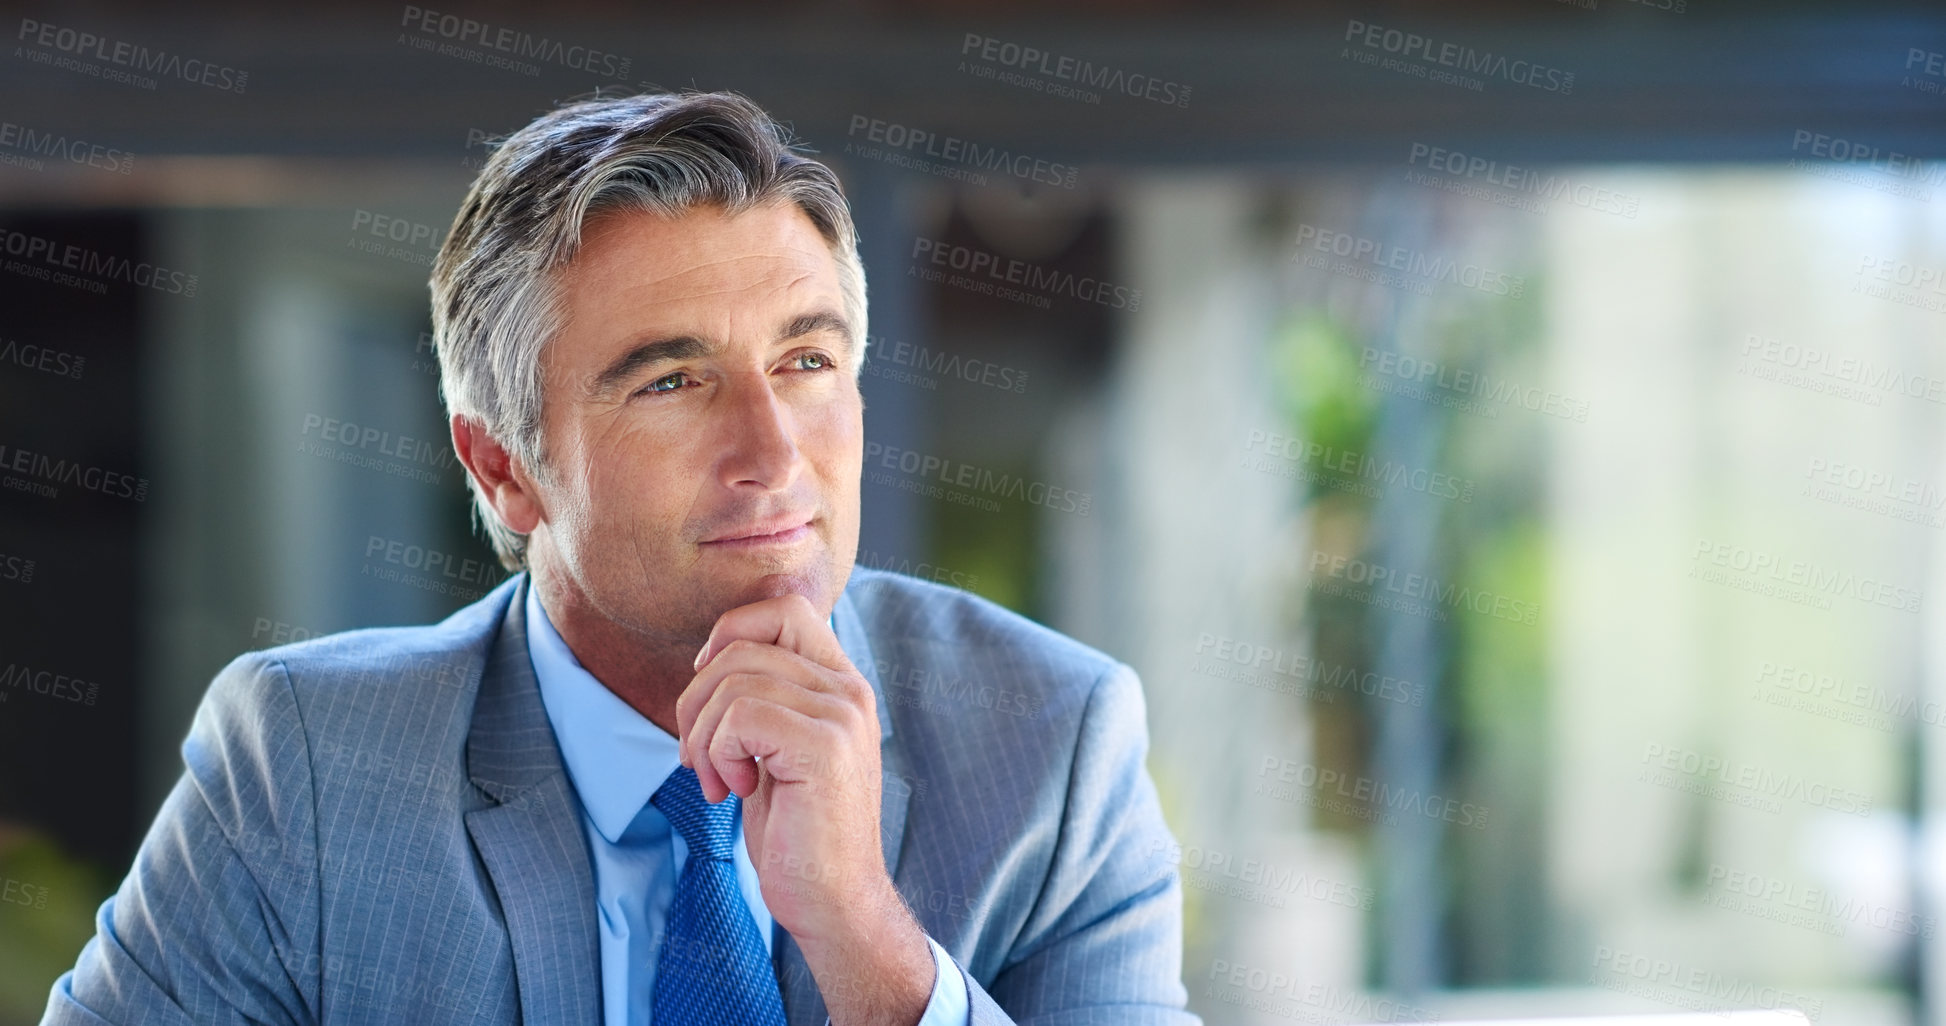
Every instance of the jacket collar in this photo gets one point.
(530, 840)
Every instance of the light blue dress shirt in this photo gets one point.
(617, 759)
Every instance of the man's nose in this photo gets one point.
(761, 437)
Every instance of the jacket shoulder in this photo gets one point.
(907, 610)
(954, 664)
(376, 708)
(373, 656)
(450, 655)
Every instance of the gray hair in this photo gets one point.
(495, 300)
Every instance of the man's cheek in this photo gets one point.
(631, 496)
(832, 438)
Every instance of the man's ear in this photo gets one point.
(507, 487)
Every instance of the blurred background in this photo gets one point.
(1506, 438)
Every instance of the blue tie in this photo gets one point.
(713, 967)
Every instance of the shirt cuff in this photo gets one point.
(949, 1005)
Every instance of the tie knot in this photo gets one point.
(708, 830)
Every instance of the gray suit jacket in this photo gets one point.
(376, 827)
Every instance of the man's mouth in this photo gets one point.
(784, 530)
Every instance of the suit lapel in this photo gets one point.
(803, 1006)
(531, 839)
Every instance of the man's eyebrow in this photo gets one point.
(645, 354)
(811, 323)
(689, 347)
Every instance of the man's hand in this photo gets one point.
(778, 714)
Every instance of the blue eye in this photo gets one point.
(656, 385)
(824, 362)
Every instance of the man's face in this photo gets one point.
(704, 429)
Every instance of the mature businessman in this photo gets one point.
(692, 765)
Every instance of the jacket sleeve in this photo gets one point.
(1104, 942)
(217, 920)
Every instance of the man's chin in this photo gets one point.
(812, 582)
(773, 585)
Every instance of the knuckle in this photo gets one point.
(762, 684)
(726, 736)
(848, 717)
(859, 690)
(736, 685)
(745, 710)
(741, 647)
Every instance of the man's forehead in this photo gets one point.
(640, 268)
(643, 276)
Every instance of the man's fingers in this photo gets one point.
(755, 728)
(779, 651)
(701, 738)
(743, 656)
(787, 621)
